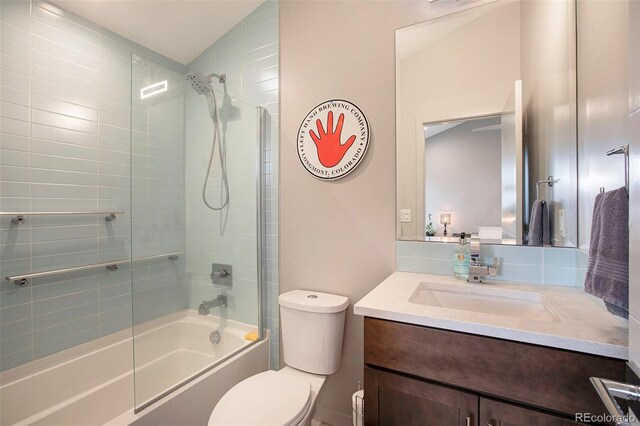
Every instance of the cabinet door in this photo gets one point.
(392, 399)
(495, 413)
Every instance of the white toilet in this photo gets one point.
(312, 328)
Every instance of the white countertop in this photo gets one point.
(585, 326)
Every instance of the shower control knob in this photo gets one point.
(223, 273)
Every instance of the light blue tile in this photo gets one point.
(15, 344)
(63, 87)
(16, 358)
(15, 313)
(581, 275)
(64, 330)
(520, 273)
(115, 326)
(41, 322)
(560, 257)
(115, 302)
(514, 255)
(558, 275)
(16, 328)
(65, 342)
(425, 265)
(43, 45)
(61, 80)
(64, 302)
(15, 296)
(65, 22)
(119, 314)
(583, 259)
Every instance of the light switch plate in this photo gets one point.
(405, 215)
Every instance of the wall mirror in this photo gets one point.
(486, 125)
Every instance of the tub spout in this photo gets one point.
(206, 305)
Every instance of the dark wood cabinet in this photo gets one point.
(427, 376)
(497, 413)
(400, 400)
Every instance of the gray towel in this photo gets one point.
(608, 269)
(539, 228)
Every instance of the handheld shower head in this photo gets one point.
(199, 83)
(202, 83)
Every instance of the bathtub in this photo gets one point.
(93, 384)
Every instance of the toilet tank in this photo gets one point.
(312, 329)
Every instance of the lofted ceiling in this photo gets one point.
(178, 29)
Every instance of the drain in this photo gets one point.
(214, 337)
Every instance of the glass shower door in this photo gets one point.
(195, 270)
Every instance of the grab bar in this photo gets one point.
(549, 181)
(23, 280)
(19, 216)
(624, 149)
(609, 390)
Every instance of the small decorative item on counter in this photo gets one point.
(430, 230)
(461, 258)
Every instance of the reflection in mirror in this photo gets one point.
(453, 151)
(486, 108)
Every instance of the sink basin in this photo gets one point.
(475, 298)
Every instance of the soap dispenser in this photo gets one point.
(461, 257)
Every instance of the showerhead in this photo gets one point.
(202, 83)
(199, 83)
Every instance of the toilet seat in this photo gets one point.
(268, 398)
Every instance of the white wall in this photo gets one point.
(548, 63)
(456, 160)
(339, 237)
(603, 89)
(457, 76)
(634, 211)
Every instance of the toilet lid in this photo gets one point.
(268, 398)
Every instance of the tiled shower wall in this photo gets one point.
(248, 55)
(65, 146)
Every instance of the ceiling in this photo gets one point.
(178, 29)
(413, 39)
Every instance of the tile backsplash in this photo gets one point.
(537, 265)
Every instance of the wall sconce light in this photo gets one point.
(445, 219)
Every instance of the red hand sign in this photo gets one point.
(330, 149)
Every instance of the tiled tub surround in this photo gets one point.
(536, 265)
(65, 86)
(582, 326)
(248, 55)
(102, 370)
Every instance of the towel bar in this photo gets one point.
(23, 280)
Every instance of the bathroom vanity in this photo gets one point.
(437, 353)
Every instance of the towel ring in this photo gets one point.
(624, 149)
(549, 181)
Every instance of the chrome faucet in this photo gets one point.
(476, 269)
(206, 305)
